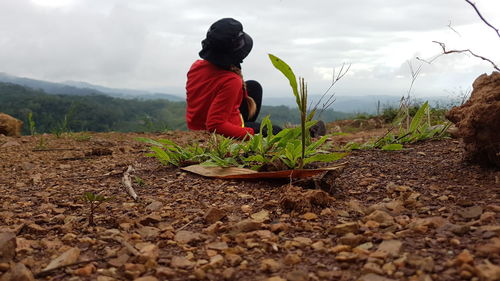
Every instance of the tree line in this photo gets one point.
(101, 113)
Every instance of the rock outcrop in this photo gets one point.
(478, 121)
(9, 125)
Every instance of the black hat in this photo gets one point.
(226, 44)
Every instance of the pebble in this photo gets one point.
(213, 215)
(270, 265)
(68, 257)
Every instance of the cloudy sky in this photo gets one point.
(150, 44)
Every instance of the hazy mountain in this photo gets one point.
(125, 93)
(83, 89)
(360, 104)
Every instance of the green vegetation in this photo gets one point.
(270, 152)
(60, 114)
(410, 126)
(93, 201)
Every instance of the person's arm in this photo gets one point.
(220, 109)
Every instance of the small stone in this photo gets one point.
(340, 248)
(374, 277)
(213, 215)
(86, 270)
(351, 239)
(371, 267)
(10, 144)
(119, 261)
(279, 227)
(150, 220)
(200, 274)
(218, 246)
(346, 257)
(344, 228)
(154, 206)
(134, 270)
(18, 272)
(465, 257)
(310, 216)
(228, 273)
(105, 278)
(297, 275)
(471, 212)
(181, 262)
(381, 217)
(318, 246)
(326, 212)
(233, 259)
(164, 272)
(491, 248)
(187, 237)
(261, 216)
(148, 232)
(216, 261)
(149, 252)
(68, 257)
(4, 266)
(304, 241)
(488, 217)
(292, 259)
(270, 265)
(391, 247)
(488, 271)
(246, 209)
(7, 246)
(146, 278)
(275, 278)
(245, 226)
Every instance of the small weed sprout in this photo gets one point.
(93, 201)
(31, 123)
(139, 181)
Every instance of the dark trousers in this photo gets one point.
(254, 90)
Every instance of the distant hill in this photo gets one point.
(74, 88)
(125, 93)
(362, 104)
(54, 113)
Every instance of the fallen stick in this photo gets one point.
(127, 182)
(45, 273)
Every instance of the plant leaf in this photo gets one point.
(288, 72)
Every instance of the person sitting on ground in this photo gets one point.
(218, 99)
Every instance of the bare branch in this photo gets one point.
(482, 18)
(443, 47)
(449, 25)
(330, 99)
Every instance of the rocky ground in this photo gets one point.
(418, 214)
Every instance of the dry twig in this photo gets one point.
(443, 47)
(127, 182)
(482, 18)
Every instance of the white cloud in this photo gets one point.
(151, 44)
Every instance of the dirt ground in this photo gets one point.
(417, 214)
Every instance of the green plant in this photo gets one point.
(31, 123)
(170, 153)
(282, 149)
(93, 201)
(42, 143)
(411, 129)
(61, 128)
(139, 181)
(300, 93)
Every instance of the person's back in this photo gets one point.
(213, 99)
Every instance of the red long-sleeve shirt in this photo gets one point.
(213, 100)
